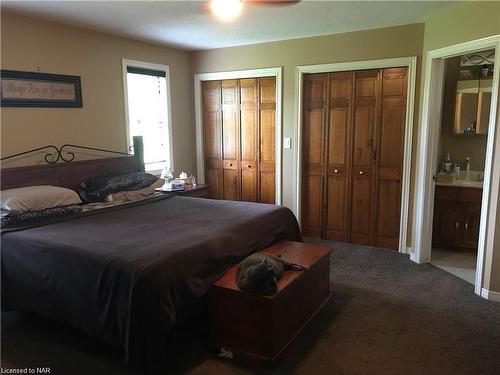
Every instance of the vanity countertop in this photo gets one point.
(462, 183)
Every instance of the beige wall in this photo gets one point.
(384, 43)
(28, 44)
(472, 21)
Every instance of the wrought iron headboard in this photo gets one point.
(61, 153)
(70, 173)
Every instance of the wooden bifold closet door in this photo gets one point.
(239, 135)
(353, 132)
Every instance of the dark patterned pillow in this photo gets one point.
(96, 189)
(36, 217)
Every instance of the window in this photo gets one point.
(147, 91)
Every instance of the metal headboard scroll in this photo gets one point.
(64, 152)
(50, 157)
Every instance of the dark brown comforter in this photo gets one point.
(124, 275)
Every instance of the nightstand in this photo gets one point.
(198, 191)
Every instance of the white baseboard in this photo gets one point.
(489, 295)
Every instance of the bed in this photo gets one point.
(127, 273)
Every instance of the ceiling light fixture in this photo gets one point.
(226, 10)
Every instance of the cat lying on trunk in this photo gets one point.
(260, 272)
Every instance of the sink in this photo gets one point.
(469, 182)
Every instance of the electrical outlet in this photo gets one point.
(287, 143)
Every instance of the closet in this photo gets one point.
(353, 138)
(239, 118)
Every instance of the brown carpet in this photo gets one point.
(388, 315)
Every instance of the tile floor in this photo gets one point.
(459, 263)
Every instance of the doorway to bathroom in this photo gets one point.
(468, 81)
(431, 158)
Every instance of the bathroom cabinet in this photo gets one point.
(457, 213)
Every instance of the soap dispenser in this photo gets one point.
(446, 166)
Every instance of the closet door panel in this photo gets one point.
(360, 210)
(231, 184)
(212, 122)
(315, 99)
(365, 115)
(363, 136)
(311, 213)
(388, 215)
(267, 183)
(336, 221)
(267, 140)
(230, 139)
(249, 138)
(339, 103)
(390, 157)
(337, 140)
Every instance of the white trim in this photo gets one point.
(411, 63)
(427, 155)
(239, 74)
(146, 65)
(489, 295)
(424, 176)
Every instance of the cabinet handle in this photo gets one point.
(336, 171)
(456, 224)
(466, 225)
(249, 166)
(361, 172)
(230, 164)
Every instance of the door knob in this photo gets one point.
(230, 164)
(361, 172)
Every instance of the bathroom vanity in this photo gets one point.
(457, 212)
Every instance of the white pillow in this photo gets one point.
(36, 198)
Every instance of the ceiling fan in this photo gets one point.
(227, 10)
(272, 2)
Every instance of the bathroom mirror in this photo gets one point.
(473, 99)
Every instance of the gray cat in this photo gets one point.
(260, 272)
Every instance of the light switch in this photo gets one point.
(287, 143)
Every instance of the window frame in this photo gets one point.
(145, 65)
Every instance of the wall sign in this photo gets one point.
(33, 89)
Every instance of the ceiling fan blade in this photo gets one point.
(272, 2)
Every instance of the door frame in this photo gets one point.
(411, 64)
(427, 156)
(239, 74)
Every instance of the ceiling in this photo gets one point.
(189, 25)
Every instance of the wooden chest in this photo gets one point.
(259, 328)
